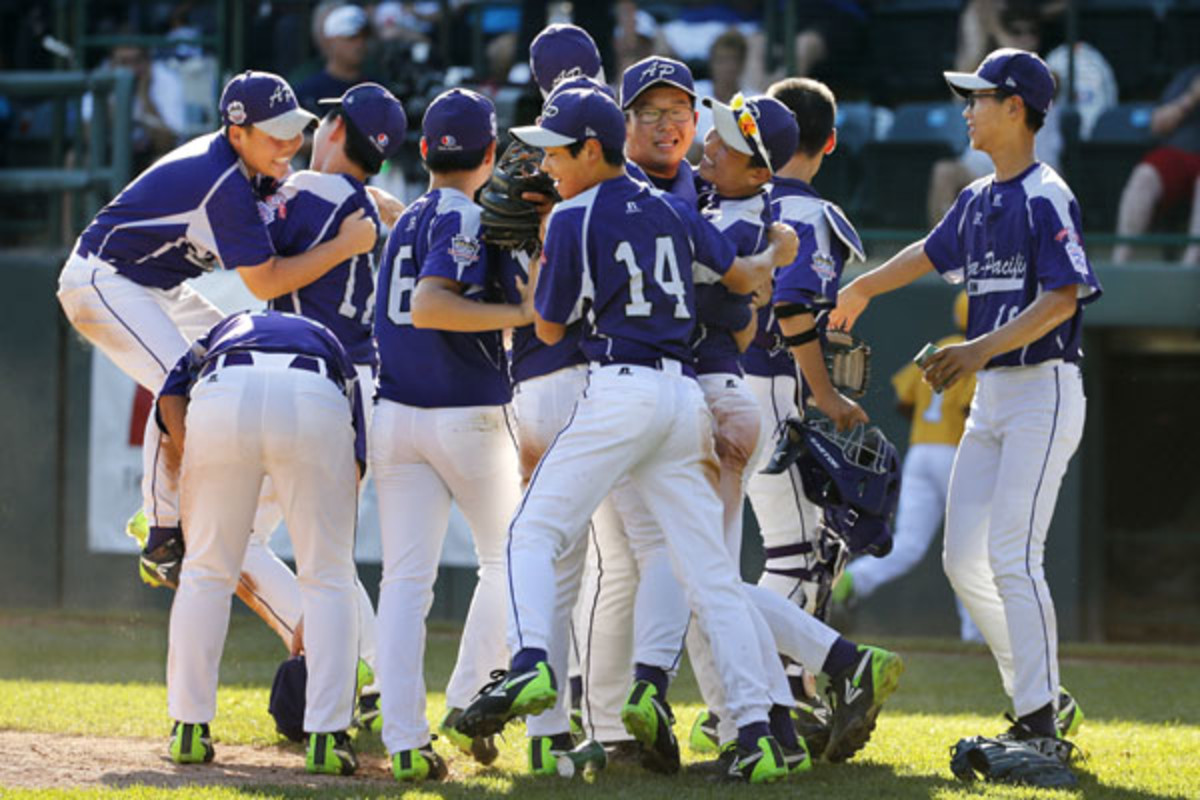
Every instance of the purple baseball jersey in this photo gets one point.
(827, 240)
(530, 357)
(438, 235)
(306, 210)
(625, 251)
(1010, 241)
(191, 212)
(273, 332)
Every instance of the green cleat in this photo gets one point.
(422, 764)
(544, 752)
(1070, 715)
(368, 716)
(190, 743)
(764, 764)
(797, 760)
(509, 695)
(481, 748)
(703, 738)
(857, 695)
(577, 723)
(138, 527)
(649, 720)
(843, 590)
(810, 716)
(330, 754)
(364, 676)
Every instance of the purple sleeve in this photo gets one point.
(560, 280)
(1059, 258)
(455, 251)
(798, 282)
(237, 226)
(943, 245)
(717, 306)
(711, 247)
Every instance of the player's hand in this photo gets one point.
(527, 288)
(544, 203)
(762, 295)
(844, 412)
(390, 207)
(851, 303)
(357, 233)
(297, 638)
(785, 241)
(952, 362)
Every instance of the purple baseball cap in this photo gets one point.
(459, 120)
(581, 83)
(1015, 71)
(377, 115)
(760, 126)
(266, 101)
(574, 115)
(653, 71)
(563, 51)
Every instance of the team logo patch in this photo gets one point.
(272, 207)
(381, 141)
(464, 249)
(236, 113)
(1074, 250)
(822, 264)
(549, 111)
(448, 142)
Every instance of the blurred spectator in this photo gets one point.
(831, 36)
(726, 63)
(982, 27)
(152, 135)
(637, 36)
(1169, 175)
(343, 41)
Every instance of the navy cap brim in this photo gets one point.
(660, 82)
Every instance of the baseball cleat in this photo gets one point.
(1055, 747)
(857, 694)
(544, 752)
(651, 722)
(138, 527)
(716, 769)
(191, 743)
(797, 760)
(577, 723)
(763, 764)
(1070, 716)
(481, 748)
(330, 754)
(422, 764)
(704, 738)
(159, 567)
(364, 676)
(811, 718)
(368, 716)
(510, 694)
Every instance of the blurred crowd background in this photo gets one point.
(1127, 137)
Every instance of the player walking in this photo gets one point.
(1014, 238)
(265, 394)
(441, 431)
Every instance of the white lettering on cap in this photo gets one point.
(657, 70)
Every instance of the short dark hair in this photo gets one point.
(454, 161)
(614, 158)
(358, 148)
(1034, 119)
(815, 109)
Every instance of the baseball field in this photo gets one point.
(83, 714)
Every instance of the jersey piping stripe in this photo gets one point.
(587, 667)
(131, 331)
(249, 588)
(1029, 537)
(512, 599)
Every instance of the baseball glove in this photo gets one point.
(848, 360)
(1009, 761)
(508, 220)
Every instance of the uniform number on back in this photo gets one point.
(399, 307)
(666, 275)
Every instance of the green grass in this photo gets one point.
(103, 674)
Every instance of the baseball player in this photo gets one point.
(1014, 238)
(265, 394)
(617, 244)
(937, 425)
(124, 286)
(441, 430)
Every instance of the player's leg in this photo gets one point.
(309, 454)
(221, 472)
(1042, 426)
(414, 510)
(739, 444)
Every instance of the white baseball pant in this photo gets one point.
(653, 426)
(245, 422)
(923, 484)
(1024, 426)
(421, 459)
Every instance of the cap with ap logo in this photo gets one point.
(1015, 71)
(655, 71)
(574, 115)
(561, 52)
(266, 101)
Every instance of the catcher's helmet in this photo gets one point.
(853, 475)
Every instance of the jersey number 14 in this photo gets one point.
(666, 275)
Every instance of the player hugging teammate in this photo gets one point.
(665, 322)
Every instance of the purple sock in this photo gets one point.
(782, 728)
(748, 735)
(526, 658)
(159, 536)
(842, 656)
(655, 675)
(576, 691)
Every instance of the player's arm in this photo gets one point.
(798, 326)
(172, 412)
(390, 207)
(899, 270)
(742, 338)
(438, 303)
(1051, 309)
(749, 272)
(282, 275)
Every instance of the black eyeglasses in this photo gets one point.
(998, 94)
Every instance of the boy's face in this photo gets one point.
(728, 170)
(262, 153)
(321, 142)
(572, 174)
(988, 114)
(659, 129)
